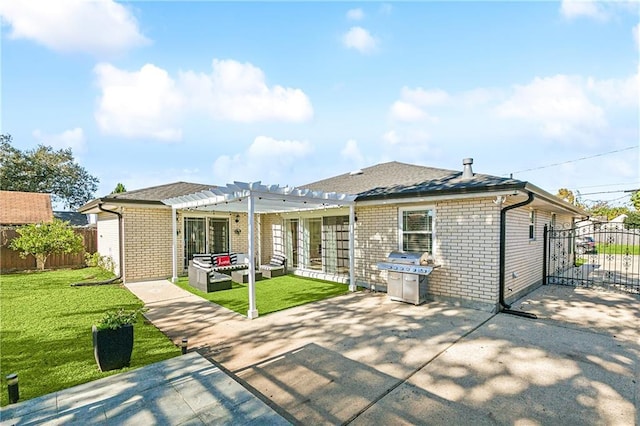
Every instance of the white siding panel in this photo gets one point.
(108, 238)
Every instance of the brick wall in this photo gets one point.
(376, 236)
(467, 248)
(148, 243)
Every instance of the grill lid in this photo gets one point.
(408, 257)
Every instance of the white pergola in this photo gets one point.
(256, 198)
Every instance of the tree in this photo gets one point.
(46, 170)
(603, 209)
(632, 221)
(46, 238)
(635, 199)
(567, 195)
(119, 189)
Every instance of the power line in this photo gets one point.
(609, 192)
(609, 184)
(574, 161)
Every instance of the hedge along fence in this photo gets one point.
(11, 261)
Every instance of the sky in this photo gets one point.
(148, 93)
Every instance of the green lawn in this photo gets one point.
(274, 294)
(603, 248)
(46, 330)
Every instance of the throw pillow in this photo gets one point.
(223, 261)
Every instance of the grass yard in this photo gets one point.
(603, 248)
(46, 330)
(274, 294)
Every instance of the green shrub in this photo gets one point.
(94, 260)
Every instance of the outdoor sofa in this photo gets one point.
(276, 267)
(211, 272)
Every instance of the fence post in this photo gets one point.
(545, 241)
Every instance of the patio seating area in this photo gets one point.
(215, 272)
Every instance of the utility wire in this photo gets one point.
(608, 184)
(609, 192)
(573, 161)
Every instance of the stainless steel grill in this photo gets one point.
(407, 275)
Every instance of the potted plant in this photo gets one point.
(113, 339)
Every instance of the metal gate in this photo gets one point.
(602, 255)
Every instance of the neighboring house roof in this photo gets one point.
(21, 208)
(619, 219)
(74, 218)
(151, 195)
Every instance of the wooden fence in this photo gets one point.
(11, 261)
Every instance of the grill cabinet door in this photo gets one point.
(394, 285)
(410, 288)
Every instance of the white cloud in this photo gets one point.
(352, 154)
(238, 92)
(406, 111)
(144, 103)
(355, 14)
(150, 103)
(617, 92)
(360, 39)
(558, 105)
(266, 159)
(96, 27)
(412, 103)
(73, 139)
(391, 137)
(572, 9)
(422, 97)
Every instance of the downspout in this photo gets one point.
(120, 249)
(504, 307)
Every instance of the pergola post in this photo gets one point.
(253, 310)
(352, 258)
(174, 222)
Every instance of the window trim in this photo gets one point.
(402, 210)
(532, 225)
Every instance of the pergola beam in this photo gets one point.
(256, 198)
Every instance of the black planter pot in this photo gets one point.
(112, 348)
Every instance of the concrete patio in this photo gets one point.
(362, 359)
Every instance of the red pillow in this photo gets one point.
(223, 261)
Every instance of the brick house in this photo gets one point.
(22, 208)
(484, 231)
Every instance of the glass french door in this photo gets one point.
(195, 238)
(205, 235)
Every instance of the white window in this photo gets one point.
(416, 229)
(532, 224)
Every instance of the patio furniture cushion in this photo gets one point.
(275, 268)
(223, 261)
(206, 280)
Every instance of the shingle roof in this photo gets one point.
(74, 218)
(151, 195)
(402, 179)
(21, 208)
(161, 192)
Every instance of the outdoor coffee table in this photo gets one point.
(242, 276)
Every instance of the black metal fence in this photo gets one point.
(594, 255)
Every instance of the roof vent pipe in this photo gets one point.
(467, 172)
